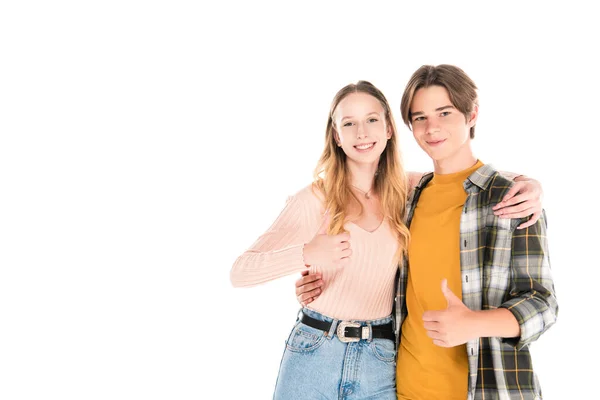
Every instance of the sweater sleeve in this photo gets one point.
(279, 251)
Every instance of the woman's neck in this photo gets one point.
(362, 176)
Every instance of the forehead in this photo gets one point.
(357, 104)
(430, 98)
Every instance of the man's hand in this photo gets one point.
(522, 200)
(308, 288)
(449, 327)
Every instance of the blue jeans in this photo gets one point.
(316, 366)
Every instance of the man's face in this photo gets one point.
(438, 127)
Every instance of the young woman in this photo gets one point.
(348, 228)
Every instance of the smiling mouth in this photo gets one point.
(365, 147)
(436, 142)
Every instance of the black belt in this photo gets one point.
(348, 331)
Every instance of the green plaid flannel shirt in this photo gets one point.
(500, 267)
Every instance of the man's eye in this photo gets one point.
(417, 119)
(445, 113)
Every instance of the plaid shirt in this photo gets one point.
(500, 267)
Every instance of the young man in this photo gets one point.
(474, 291)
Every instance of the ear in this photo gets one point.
(389, 131)
(473, 117)
(336, 137)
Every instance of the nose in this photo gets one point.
(361, 132)
(432, 126)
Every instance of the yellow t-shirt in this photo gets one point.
(424, 370)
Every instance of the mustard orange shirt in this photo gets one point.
(424, 370)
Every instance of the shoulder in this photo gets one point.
(493, 182)
(500, 185)
(424, 179)
(414, 178)
(309, 196)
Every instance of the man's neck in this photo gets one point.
(459, 161)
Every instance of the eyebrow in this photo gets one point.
(371, 113)
(437, 109)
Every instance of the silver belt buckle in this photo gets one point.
(341, 331)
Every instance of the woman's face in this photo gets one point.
(361, 128)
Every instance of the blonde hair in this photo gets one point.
(331, 176)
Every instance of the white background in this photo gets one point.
(145, 145)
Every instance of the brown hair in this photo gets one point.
(331, 173)
(461, 89)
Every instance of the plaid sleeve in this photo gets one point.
(531, 299)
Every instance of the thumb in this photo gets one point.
(325, 224)
(448, 294)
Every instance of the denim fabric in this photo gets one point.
(316, 366)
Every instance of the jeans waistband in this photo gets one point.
(322, 317)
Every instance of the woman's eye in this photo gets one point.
(371, 120)
(348, 124)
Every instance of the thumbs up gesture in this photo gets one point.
(452, 326)
(328, 250)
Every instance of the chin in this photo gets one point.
(436, 155)
(369, 160)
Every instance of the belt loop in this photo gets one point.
(332, 329)
(370, 339)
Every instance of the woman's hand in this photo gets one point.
(522, 200)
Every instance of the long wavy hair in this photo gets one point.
(331, 176)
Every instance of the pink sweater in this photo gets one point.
(362, 290)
